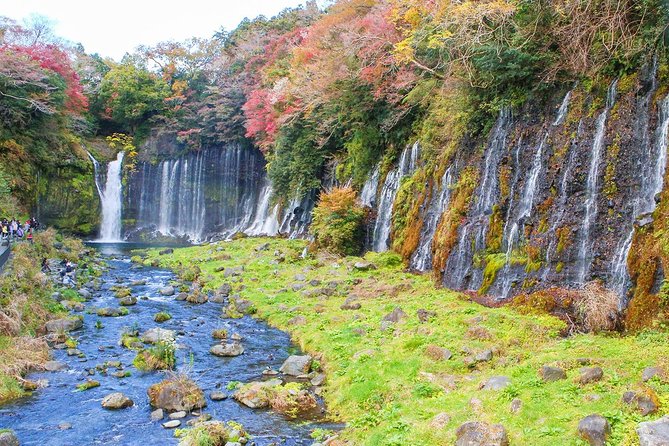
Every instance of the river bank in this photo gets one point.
(408, 363)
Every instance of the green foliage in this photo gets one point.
(337, 224)
(162, 356)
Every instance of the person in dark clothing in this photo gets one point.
(45, 266)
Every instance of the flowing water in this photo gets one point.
(408, 163)
(35, 419)
(422, 257)
(111, 198)
(585, 253)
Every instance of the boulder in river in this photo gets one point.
(8, 438)
(112, 312)
(167, 291)
(55, 366)
(116, 401)
(255, 394)
(232, 349)
(128, 301)
(155, 335)
(296, 365)
(179, 393)
(64, 324)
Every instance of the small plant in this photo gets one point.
(89, 384)
(98, 324)
(233, 385)
(161, 356)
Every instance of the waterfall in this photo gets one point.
(652, 176)
(585, 254)
(407, 164)
(368, 192)
(111, 196)
(472, 234)
(422, 257)
(265, 221)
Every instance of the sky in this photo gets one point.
(113, 27)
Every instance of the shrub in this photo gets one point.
(161, 356)
(337, 224)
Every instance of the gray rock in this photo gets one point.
(8, 438)
(296, 365)
(218, 396)
(116, 401)
(395, 316)
(318, 380)
(652, 372)
(224, 290)
(654, 433)
(55, 366)
(364, 266)
(177, 415)
(351, 304)
(166, 251)
(440, 420)
(155, 335)
(300, 277)
(181, 297)
(64, 325)
(128, 301)
(641, 401)
(594, 429)
(298, 320)
(516, 405)
(425, 315)
(590, 374)
(550, 374)
(157, 415)
(110, 312)
(138, 283)
(65, 426)
(496, 383)
(484, 356)
(172, 424)
(85, 294)
(227, 350)
(475, 433)
(167, 291)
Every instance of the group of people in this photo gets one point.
(13, 229)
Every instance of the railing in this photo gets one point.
(5, 251)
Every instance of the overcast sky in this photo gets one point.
(114, 27)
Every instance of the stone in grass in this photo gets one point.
(395, 316)
(116, 401)
(55, 366)
(646, 402)
(351, 304)
(64, 325)
(437, 353)
(654, 433)
(8, 438)
(440, 420)
(364, 266)
(652, 372)
(296, 365)
(496, 383)
(550, 374)
(594, 429)
(227, 350)
(476, 433)
(590, 375)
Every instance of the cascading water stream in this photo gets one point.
(111, 199)
(473, 233)
(407, 164)
(422, 257)
(368, 192)
(585, 254)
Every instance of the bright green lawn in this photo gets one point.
(389, 397)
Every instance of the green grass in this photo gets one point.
(390, 394)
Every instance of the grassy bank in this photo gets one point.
(388, 380)
(25, 306)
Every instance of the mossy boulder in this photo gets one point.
(176, 394)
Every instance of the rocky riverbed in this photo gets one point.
(92, 393)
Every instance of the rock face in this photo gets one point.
(474, 433)
(64, 325)
(8, 439)
(232, 349)
(116, 401)
(176, 395)
(594, 429)
(156, 335)
(654, 433)
(296, 365)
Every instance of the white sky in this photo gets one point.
(114, 27)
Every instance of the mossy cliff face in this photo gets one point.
(554, 193)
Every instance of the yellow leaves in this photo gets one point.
(404, 51)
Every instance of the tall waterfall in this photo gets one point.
(368, 193)
(407, 164)
(592, 189)
(215, 192)
(111, 198)
(422, 257)
(472, 235)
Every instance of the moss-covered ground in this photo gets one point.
(381, 382)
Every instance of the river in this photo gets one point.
(36, 419)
